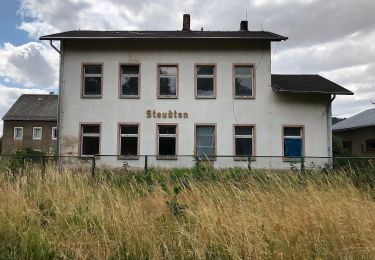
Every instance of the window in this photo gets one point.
(293, 143)
(243, 81)
(205, 140)
(37, 133)
(54, 133)
(92, 80)
(129, 80)
(205, 81)
(90, 142)
(168, 81)
(347, 145)
(18, 133)
(129, 140)
(370, 145)
(243, 140)
(167, 141)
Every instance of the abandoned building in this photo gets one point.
(357, 133)
(31, 123)
(174, 93)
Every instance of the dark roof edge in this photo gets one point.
(48, 119)
(278, 90)
(349, 128)
(43, 38)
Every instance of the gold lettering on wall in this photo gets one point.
(170, 114)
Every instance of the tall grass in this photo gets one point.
(183, 214)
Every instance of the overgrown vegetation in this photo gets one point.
(188, 213)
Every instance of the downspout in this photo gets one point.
(329, 129)
(60, 52)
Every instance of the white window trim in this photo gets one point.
(41, 133)
(14, 133)
(52, 134)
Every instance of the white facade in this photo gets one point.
(268, 111)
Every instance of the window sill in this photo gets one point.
(92, 97)
(204, 97)
(123, 157)
(166, 157)
(167, 97)
(129, 97)
(244, 97)
(243, 158)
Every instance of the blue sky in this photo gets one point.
(335, 39)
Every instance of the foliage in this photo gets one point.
(19, 159)
(187, 214)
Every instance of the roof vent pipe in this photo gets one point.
(244, 26)
(186, 22)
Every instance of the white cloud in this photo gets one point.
(9, 95)
(30, 64)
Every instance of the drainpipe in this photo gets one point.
(329, 128)
(60, 52)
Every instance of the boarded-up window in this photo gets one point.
(205, 141)
(293, 141)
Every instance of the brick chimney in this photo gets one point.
(186, 22)
(244, 26)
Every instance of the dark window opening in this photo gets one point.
(92, 80)
(347, 146)
(90, 139)
(370, 145)
(129, 140)
(243, 140)
(167, 140)
(205, 80)
(129, 80)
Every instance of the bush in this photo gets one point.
(21, 157)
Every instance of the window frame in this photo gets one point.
(139, 82)
(14, 133)
(158, 80)
(253, 142)
(53, 138)
(302, 127)
(366, 142)
(41, 133)
(101, 64)
(166, 157)
(234, 65)
(128, 157)
(196, 80)
(81, 124)
(215, 139)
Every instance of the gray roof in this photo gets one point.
(33, 107)
(306, 84)
(137, 35)
(363, 119)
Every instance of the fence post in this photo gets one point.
(93, 166)
(302, 164)
(43, 166)
(249, 162)
(146, 163)
(197, 163)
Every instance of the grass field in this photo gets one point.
(184, 214)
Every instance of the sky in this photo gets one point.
(335, 39)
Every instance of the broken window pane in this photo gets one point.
(205, 141)
(129, 80)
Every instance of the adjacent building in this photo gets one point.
(31, 123)
(357, 133)
(175, 93)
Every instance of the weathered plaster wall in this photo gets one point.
(268, 111)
